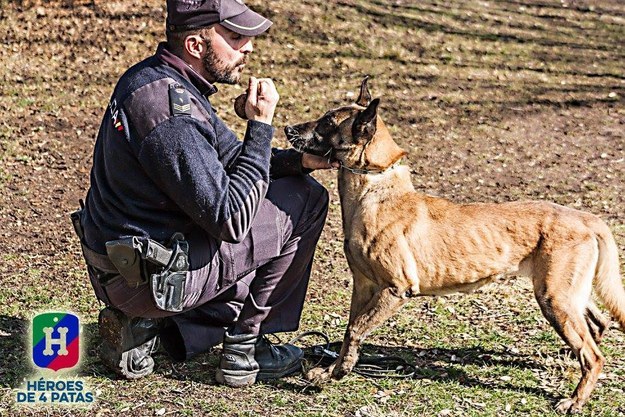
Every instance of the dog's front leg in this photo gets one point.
(363, 292)
(385, 302)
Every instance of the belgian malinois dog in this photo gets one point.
(400, 244)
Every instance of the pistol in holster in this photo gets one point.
(145, 261)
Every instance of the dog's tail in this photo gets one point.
(608, 282)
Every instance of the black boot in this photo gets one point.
(127, 343)
(276, 361)
(247, 358)
(237, 367)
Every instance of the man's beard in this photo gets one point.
(219, 71)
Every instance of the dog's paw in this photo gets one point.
(319, 375)
(568, 406)
(340, 371)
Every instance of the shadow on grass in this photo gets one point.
(14, 357)
(437, 365)
(199, 369)
(445, 365)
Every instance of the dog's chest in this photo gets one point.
(367, 250)
(357, 257)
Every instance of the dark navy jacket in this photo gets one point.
(155, 173)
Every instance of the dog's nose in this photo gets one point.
(290, 132)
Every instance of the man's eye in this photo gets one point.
(237, 37)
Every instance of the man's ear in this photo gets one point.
(364, 126)
(364, 98)
(194, 46)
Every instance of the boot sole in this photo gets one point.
(296, 367)
(108, 355)
(245, 379)
(236, 379)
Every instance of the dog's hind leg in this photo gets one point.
(563, 291)
(596, 321)
(385, 302)
(576, 334)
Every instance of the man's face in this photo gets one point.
(226, 55)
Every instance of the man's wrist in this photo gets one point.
(259, 132)
(263, 121)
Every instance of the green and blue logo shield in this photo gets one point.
(56, 341)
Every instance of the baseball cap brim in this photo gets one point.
(248, 23)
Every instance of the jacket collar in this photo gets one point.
(177, 63)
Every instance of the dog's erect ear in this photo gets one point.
(364, 98)
(382, 151)
(364, 126)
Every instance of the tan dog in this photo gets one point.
(400, 244)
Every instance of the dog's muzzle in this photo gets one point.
(294, 137)
(306, 144)
(290, 132)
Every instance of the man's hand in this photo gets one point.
(311, 161)
(262, 98)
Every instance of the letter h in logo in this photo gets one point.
(61, 341)
(66, 328)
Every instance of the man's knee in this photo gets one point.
(315, 209)
(302, 198)
(318, 193)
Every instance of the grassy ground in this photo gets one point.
(495, 101)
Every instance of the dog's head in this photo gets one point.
(354, 135)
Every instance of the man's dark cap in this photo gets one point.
(183, 15)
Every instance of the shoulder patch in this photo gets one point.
(179, 100)
(152, 104)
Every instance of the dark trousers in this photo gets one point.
(256, 286)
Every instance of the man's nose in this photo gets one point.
(247, 47)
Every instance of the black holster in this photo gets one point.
(164, 269)
(168, 285)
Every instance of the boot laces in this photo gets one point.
(275, 352)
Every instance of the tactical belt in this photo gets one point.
(140, 261)
(93, 258)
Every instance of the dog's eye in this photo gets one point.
(326, 127)
(330, 123)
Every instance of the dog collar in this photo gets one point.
(361, 171)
